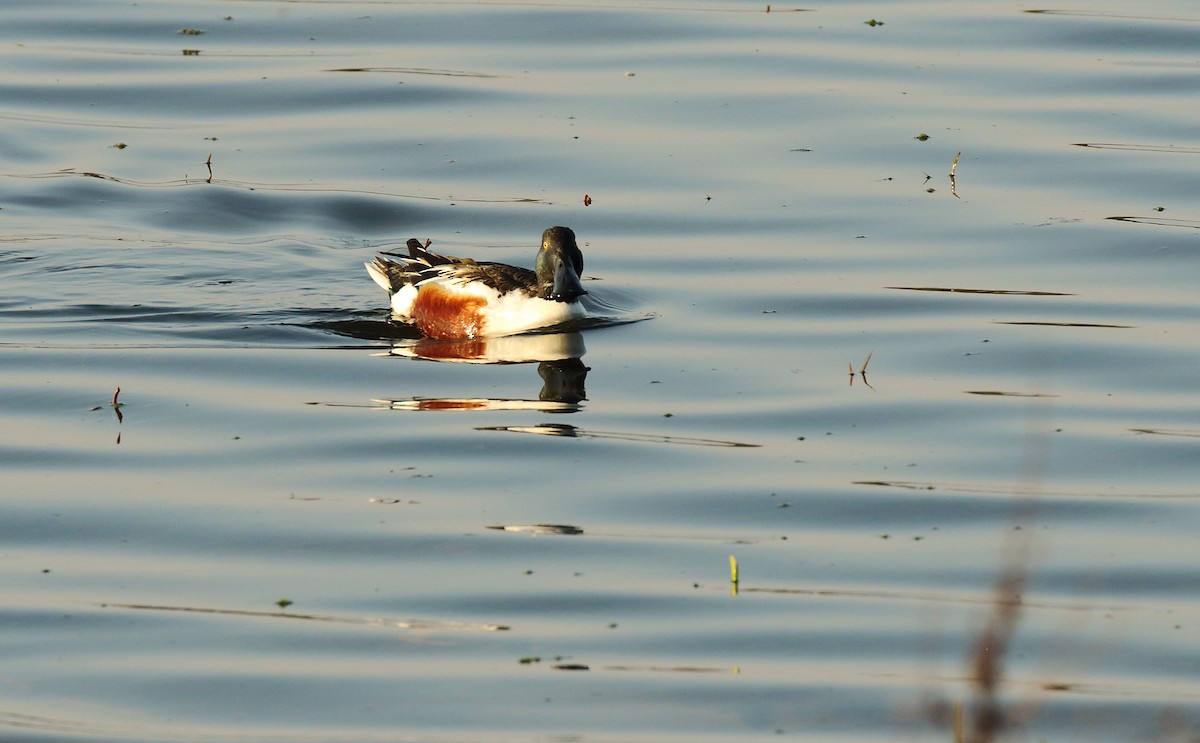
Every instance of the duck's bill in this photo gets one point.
(566, 282)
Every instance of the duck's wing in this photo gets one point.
(393, 270)
(390, 275)
(419, 254)
(500, 276)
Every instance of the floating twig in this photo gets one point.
(539, 528)
(208, 162)
(862, 371)
(953, 167)
(733, 575)
(116, 406)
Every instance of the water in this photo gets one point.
(286, 529)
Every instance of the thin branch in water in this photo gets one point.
(862, 371)
(953, 167)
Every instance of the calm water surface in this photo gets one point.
(287, 529)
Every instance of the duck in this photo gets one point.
(459, 298)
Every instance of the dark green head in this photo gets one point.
(558, 266)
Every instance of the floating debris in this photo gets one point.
(1184, 432)
(1062, 324)
(1002, 393)
(733, 576)
(953, 167)
(116, 407)
(959, 290)
(1159, 221)
(862, 371)
(539, 528)
(431, 625)
(1139, 147)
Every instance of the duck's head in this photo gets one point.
(558, 266)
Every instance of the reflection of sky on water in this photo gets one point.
(759, 185)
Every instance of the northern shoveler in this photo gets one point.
(448, 297)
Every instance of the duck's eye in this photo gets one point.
(546, 245)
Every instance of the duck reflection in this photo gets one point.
(559, 365)
(510, 349)
(574, 432)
